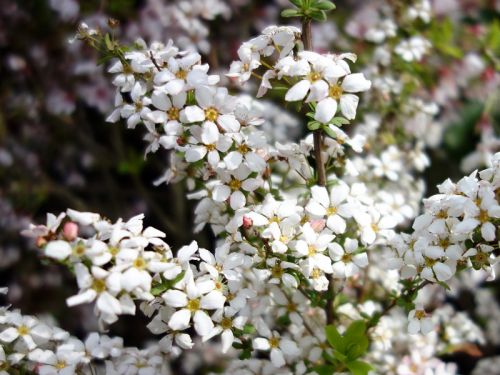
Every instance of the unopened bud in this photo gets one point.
(247, 222)
(113, 22)
(317, 224)
(40, 241)
(70, 231)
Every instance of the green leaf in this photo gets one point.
(297, 3)
(313, 125)
(339, 121)
(248, 329)
(318, 15)
(329, 131)
(158, 289)
(324, 369)
(109, 43)
(324, 5)
(492, 40)
(334, 338)
(359, 367)
(290, 13)
(355, 330)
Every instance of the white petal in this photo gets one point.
(298, 91)
(325, 110)
(233, 160)
(348, 105)
(202, 323)
(175, 298)
(58, 250)
(213, 300)
(221, 193)
(229, 123)
(355, 83)
(237, 200)
(180, 320)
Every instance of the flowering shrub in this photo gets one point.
(321, 263)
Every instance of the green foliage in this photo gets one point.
(165, 285)
(309, 9)
(347, 348)
(441, 35)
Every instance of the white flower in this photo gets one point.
(313, 246)
(419, 321)
(413, 49)
(215, 105)
(346, 262)
(101, 285)
(231, 186)
(341, 94)
(280, 348)
(331, 205)
(193, 301)
(138, 110)
(25, 328)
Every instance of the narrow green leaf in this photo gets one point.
(318, 15)
(329, 131)
(324, 5)
(297, 3)
(290, 13)
(313, 125)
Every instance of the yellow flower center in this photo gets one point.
(140, 263)
(79, 250)
(311, 250)
(127, 69)
(173, 113)
(113, 250)
(138, 106)
(444, 243)
(291, 307)
(331, 211)
(211, 114)
(235, 184)
(483, 216)
(346, 258)
(420, 314)
(245, 67)
(429, 262)
(316, 273)
(335, 92)
(226, 323)
(60, 365)
(314, 76)
(274, 342)
(277, 271)
(375, 227)
(210, 147)
(181, 74)
(243, 149)
(99, 285)
(193, 305)
(442, 214)
(274, 219)
(23, 330)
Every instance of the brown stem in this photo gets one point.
(320, 165)
(317, 135)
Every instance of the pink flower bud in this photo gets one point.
(40, 241)
(70, 231)
(317, 224)
(247, 222)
